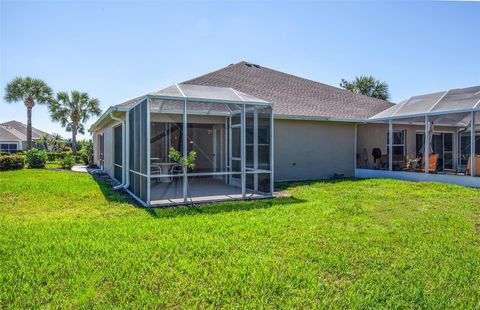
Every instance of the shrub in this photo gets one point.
(4, 153)
(11, 162)
(36, 158)
(86, 153)
(68, 162)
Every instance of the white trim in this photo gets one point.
(418, 177)
(127, 150)
(196, 99)
(477, 105)
(11, 142)
(148, 153)
(390, 145)
(400, 105)
(272, 151)
(237, 94)
(139, 173)
(243, 151)
(136, 198)
(423, 114)
(426, 145)
(435, 104)
(180, 90)
(185, 151)
(472, 144)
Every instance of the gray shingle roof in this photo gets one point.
(7, 135)
(19, 131)
(291, 95)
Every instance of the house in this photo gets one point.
(250, 126)
(13, 136)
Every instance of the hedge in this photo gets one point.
(36, 158)
(11, 162)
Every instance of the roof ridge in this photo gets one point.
(288, 74)
(323, 84)
(214, 71)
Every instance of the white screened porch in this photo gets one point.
(230, 132)
(434, 137)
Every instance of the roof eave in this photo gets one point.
(107, 114)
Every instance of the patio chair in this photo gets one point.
(477, 166)
(432, 163)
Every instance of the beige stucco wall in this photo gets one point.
(107, 130)
(371, 136)
(304, 150)
(313, 150)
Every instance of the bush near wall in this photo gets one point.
(11, 162)
(36, 158)
(68, 162)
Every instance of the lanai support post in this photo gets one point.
(242, 152)
(472, 144)
(427, 146)
(390, 145)
(185, 151)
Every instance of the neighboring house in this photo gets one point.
(251, 126)
(13, 136)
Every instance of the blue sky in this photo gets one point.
(119, 50)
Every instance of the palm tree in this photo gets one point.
(73, 110)
(367, 85)
(44, 141)
(30, 91)
(56, 141)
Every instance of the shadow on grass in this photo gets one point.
(106, 187)
(286, 185)
(220, 207)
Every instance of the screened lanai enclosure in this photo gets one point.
(230, 132)
(432, 137)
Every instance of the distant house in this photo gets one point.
(13, 136)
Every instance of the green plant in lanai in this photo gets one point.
(186, 162)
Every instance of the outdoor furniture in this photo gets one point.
(432, 163)
(477, 166)
(162, 168)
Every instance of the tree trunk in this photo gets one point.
(29, 127)
(74, 139)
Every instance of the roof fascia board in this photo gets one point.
(106, 115)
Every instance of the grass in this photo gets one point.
(67, 242)
(53, 164)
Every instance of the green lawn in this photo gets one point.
(67, 241)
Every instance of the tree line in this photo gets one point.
(71, 109)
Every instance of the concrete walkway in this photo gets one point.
(80, 168)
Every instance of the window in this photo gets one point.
(442, 144)
(9, 147)
(398, 145)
